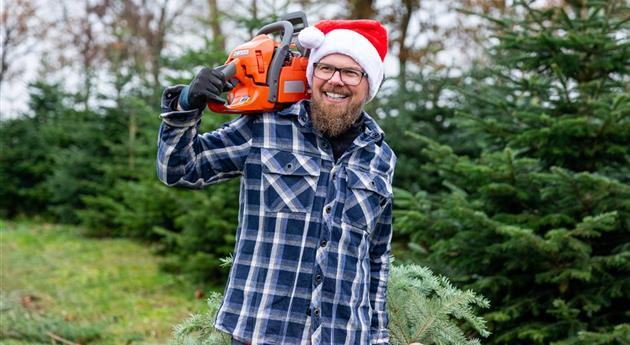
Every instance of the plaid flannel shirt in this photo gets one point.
(311, 259)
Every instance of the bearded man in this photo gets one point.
(311, 258)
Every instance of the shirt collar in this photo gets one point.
(301, 109)
(372, 129)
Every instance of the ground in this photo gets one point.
(110, 289)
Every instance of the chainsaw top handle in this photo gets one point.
(278, 57)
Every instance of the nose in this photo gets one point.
(336, 78)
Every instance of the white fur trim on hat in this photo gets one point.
(350, 43)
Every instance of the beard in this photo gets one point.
(331, 119)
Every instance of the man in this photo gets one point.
(311, 259)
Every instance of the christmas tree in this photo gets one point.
(539, 221)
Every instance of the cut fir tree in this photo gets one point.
(423, 309)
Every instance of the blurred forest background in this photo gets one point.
(510, 119)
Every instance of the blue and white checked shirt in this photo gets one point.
(311, 258)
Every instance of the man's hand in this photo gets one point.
(207, 86)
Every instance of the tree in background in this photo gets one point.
(435, 45)
(25, 158)
(192, 228)
(539, 221)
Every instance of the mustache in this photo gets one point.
(337, 89)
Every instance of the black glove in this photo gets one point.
(206, 87)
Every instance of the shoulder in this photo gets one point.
(387, 160)
(383, 152)
(388, 154)
(282, 122)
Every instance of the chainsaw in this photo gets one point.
(267, 75)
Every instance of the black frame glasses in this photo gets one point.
(341, 73)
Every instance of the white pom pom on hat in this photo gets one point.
(311, 37)
(363, 40)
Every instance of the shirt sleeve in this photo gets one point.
(380, 249)
(186, 158)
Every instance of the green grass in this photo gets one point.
(113, 283)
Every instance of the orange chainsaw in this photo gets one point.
(268, 75)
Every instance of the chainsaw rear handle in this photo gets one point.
(228, 70)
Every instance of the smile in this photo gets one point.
(333, 95)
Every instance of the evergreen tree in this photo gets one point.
(127, 202)
(25, 158)
(539, 221)
(192, 228)
(424, 105)
(48, 156)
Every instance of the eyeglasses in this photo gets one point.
(349, 76)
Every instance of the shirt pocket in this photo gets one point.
(289, 180)
(367, 193)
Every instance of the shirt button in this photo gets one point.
(323, 243)
(318, 278)
(316, 312)
(334, 175)
(327, 209)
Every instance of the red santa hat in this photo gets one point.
(363, 40)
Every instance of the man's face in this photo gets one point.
(336, 105)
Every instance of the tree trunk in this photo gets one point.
(361, 9)
(214, 19)
(402, 41)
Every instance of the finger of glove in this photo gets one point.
(229, 85)
(204, 73)
(197, 97)
(214, 89)
(218, 82)
(203, 76)
(217, 73)
(200, 87)
(211, 97)
(201, 79)
(226, 84)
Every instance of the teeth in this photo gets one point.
(335, 95)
